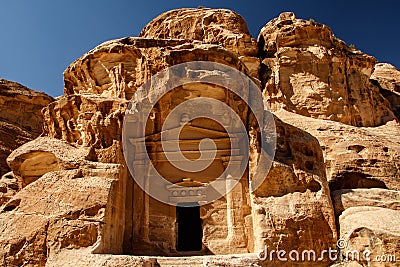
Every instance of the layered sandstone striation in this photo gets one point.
(213, 26)
(71, 199)
(210, 26)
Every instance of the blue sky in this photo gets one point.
(39, 39)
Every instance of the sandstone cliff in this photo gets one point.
(21, 121)
(307, 70)
(335, 172)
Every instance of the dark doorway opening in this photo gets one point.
(190, 232)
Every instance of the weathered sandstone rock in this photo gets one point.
(66, 203)
(374, 197)
(22, 106)
(355, 157)
(20, 117)
(307, 70)
(9, 186)
(85, 120)
(374, 229)
(63, 209)
(12, 136)
(292, 209)
(387, 77)
(36, 158)
(212, 26)
(82, 257)
(116, 68)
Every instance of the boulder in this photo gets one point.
(374, 197)
(371, 231)
(42, 155)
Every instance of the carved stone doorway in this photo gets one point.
(190, 232)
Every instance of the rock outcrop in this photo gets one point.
(292, 209)
(370, 197)
(387, 78)
(116, 68)
(21, 121)
(362, 165)
(355, 157)
(22, 106)
(307, 70)
(374, 233)
(70, 200)
(211, 26)
(63, 206)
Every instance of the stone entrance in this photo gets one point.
(220, 227)
(189, 226)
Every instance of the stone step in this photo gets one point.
(179, 261)
(238, 260)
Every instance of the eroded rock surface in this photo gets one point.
(62, 203)
(362, 165)
(355, 157)
(116, 68)
(372, 229)
(294, 202)
(212, 26)
(387, 77)
(36, 158)
(21, 119)
(63, 209)
(307, 70)
(374, 197)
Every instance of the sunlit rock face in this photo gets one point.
(21, 119)
(211, 26)
(387, 78)
(70, 198)
(307, 70)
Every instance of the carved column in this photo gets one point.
(236, 238)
